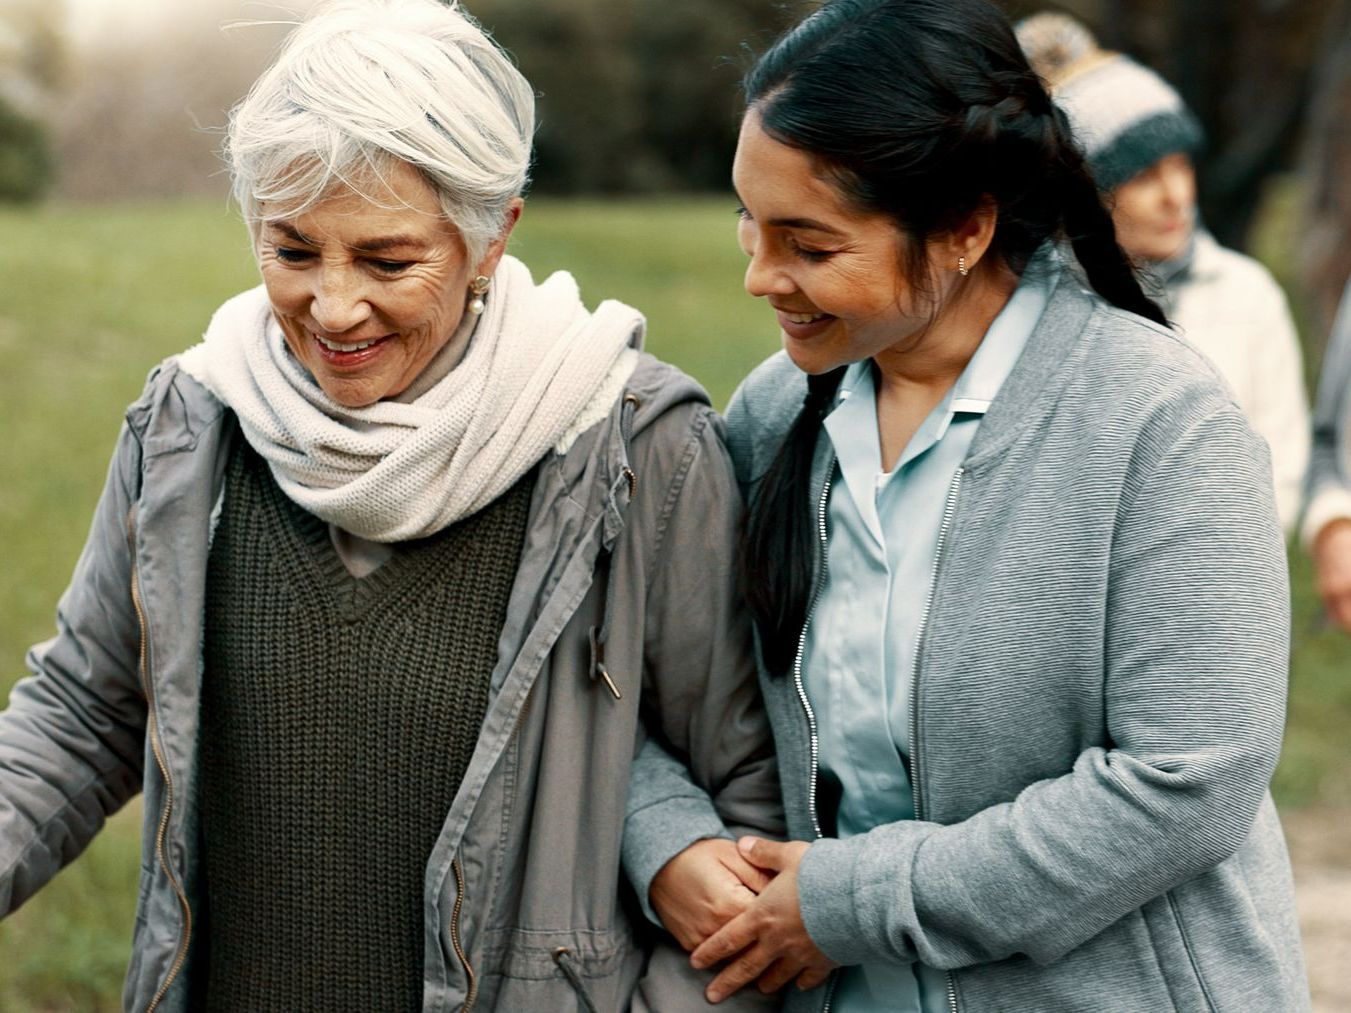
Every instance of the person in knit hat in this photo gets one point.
(1139, 138)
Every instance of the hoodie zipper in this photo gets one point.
(814, 740)
(949, 509)
(152, 731)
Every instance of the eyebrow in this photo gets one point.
(804, 223)
(366, 246)
(797, 223)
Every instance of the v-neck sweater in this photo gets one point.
(338, 718)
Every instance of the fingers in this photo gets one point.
(752, 878)
(764, 854)
(739, 973)
(813, 976)
(732, 938)
(1339, 607)
(780, 973)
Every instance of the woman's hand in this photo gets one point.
(1332, 561)
(702, 888)
(768, 938)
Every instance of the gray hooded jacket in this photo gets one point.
(626, 565)
(1098, 698)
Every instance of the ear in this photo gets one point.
(498, 246)
(968, 241)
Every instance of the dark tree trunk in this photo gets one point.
(1325, 253)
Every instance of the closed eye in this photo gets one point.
(390, 266)
(810, 255)
(291, 255)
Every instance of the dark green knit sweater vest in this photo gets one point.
(338, 718)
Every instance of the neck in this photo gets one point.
(936, 357)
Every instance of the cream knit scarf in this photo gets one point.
(538, 371)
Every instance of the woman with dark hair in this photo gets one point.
(1027, 696)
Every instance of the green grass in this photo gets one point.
(91, 298)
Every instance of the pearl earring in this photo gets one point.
(477, 288)
(962, 269)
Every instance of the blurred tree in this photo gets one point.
(26, 164)
(635, 95)
(31, 64)
(1326, 253)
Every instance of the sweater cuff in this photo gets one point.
(1328, 505)
(656, 833)
(829, 909)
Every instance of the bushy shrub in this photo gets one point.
(26, 164)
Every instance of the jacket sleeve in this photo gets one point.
(706, 765)
(1194, 669)
(1329, 495)
(71, 740)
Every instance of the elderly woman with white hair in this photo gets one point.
(392, 575)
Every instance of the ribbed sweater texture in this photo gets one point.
(338, 718)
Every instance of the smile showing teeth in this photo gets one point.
(333, 346)
(805, 318)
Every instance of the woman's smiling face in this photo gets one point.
(834, 275)
(368, 289)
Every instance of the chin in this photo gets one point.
(810, 360)
(350, 394)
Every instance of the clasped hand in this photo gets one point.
(739, 903)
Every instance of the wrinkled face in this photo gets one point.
(1155, 211)
(832, 275)
(368, 290)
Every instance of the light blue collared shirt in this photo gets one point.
(859, 654)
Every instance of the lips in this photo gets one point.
(802, 325)
(350, 354)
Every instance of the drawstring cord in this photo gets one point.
(563, 958)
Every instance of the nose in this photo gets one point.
(338, 303)
(1177, 187)
(763, 277)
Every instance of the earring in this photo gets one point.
(962, 269)
(477, 288)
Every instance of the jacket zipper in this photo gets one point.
(152, 730)
(949, 509)
(802, 692)
(471, 995)
(801, 648)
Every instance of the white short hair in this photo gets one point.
(360, 84)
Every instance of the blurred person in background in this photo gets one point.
(390, 576)
(1326, 529)
(1139, 137)
(1012, 549)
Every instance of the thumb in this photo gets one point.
(763, 853)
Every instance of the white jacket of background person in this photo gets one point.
(1329, 486)
(1231, 308)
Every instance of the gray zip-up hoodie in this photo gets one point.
(1098, 698)
(626, 565)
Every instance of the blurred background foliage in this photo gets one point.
(115, 118)
(641, 96)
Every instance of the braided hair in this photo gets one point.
(925, 111)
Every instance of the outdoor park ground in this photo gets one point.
(91, 298)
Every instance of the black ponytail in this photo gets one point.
(924, 111)
(778, 544)
(1089, 227)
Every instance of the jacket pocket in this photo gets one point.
(1174, 955)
